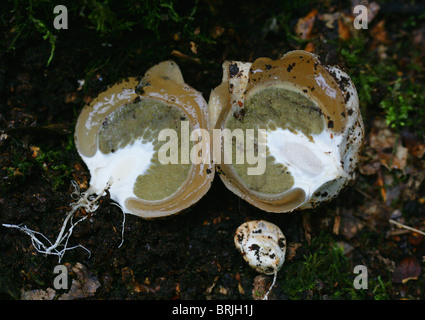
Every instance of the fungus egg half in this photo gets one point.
(306, 117)
(119, 136)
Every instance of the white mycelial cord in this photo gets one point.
(85, 201)
(271, 287)
(123, 223)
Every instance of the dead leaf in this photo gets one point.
(329, 19)
(217, 31)
(374, 215)
(261, 286)
(238, 280)
(71, 97)
(35, 151)
(394, 192)
(291, 250)
(413, 143)
(211, 287)
(408, 269)
(419, 37)
(418, 150)
(369, 168)
(400, 159)
(380, 262)
(416, 238)
(413, 185)
(381, 137)
(388, 146)
(193, 47)
(222, 290)
(309, 47)
(380, 182)
(306, 220)
(127, 276)
(343, 31)
(349, 224)
(241, 289)
(79, 176)
(184, 56)
(379, 33)
(47, 294)
(304, 25)
(84, 285)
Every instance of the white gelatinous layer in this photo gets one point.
(310, 162)
(122, 166)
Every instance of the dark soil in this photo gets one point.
(191, 255)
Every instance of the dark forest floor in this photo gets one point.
(192, 255)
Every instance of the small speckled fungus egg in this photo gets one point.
(309, 117)
(263, 246)
(119, 138)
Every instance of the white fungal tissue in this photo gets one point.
(262, 244)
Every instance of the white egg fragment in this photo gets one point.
(262, 244)
(120, 134)
(313, 129)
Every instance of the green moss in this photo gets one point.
(30, 15)
(16, 169)
(24, 164)
(54, 167)
(366, 71)
(404, 105)
(322, 270)
(387, 81)
(380, 289)
(108, 20)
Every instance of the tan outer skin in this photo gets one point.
(164, 82)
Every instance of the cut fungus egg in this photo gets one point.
(307, 119)
(119, 136)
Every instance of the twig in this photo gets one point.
(388, 207)
(406, 227)
(398, 232)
